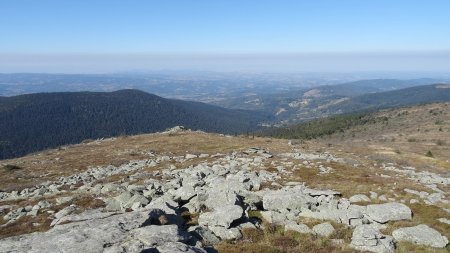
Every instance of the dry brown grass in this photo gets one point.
(407, 137)
(405, 247)
(273, 239)
(24, 225)
(344, 178)
(246, 248)
(191, 219)
(52, 164)
(84, 202)
(423, 214)
(252, 235)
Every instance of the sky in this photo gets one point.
(228, 35)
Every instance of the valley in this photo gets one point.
(33, 122)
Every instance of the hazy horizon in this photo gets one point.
(252, 36)
(272, 63)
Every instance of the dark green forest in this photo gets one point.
(404, 97)
(34, 122)
(322, 127)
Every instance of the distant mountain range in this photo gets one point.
(396, 98)
(190, 85)
(322, 101)
(34, 122)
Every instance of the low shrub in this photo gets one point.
(11, 167)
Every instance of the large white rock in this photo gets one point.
(221, 195)
(226, 233)
(205, 235)
(184, 193)
(159, 235)
(286, 200)
(164, 203)
(369, 238)
(393, 211)
(221, 217)
(274, 217)
(422, 235)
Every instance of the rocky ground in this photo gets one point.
(181, 193)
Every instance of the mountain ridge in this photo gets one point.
(43, 120)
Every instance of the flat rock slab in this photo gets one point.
(221, 217)
(286, 200)
(86, 215)
(84, 236)
(422, 235)
(394, 211)
(159, 235)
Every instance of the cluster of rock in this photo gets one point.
(15, 214)
(86, 179)
(223, 193)
(96, 231)
(426, 178)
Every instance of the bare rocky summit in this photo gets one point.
(209, 200)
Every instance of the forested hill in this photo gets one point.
(390, 99)
(33, 122)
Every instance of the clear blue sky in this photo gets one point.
(211, 27)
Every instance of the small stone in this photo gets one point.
(373, 195)
(33, 212)
(190, 156)
(382, 198)
(359, 198)
(300, 228)
(413, 201)
(44, 204)
(65, 211)
(444, 220)
(324, 229)
(62, 200)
